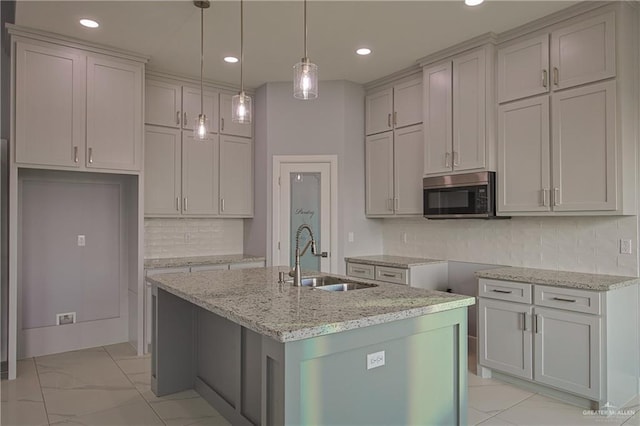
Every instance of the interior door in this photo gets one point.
(305, 198)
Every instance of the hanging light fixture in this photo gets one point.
(201, 127)
(241, 103)
(305, 73)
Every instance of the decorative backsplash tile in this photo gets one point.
(192, 237)
(579, 244)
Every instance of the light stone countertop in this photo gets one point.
(254, 299)
(577, 280)
(392, 261)
(176, 262)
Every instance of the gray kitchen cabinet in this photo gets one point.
(395, 107)
(163, 171)
(199, 176)
(523, 68)
(393, 172)
(236, 176)
(227, 126)
(458, 113)
(88, 108)
(177, 105)
(564, 341)
(430, 276)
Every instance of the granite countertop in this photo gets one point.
(175, 262)
(392, 261)
(577, 280)
(254, 299)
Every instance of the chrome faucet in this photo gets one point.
(295, 273)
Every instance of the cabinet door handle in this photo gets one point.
(544, 197)
(545, 79)
(502, 291)
(185, 204)
(524, 321)
(395, 118)
(396, 201)
(184, 119)
(178, 118)
(389, 275)
(446, 159)
(456, 158)
(90, 155)
(389, 120)
(555, 75)
(178, 203)
(221, 123)
(75, 154)
(222, 204)
(536, 327)
(562, 299)
(556, 196)
(359, 271)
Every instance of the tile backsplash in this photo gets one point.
(192, 237)
(579, 244)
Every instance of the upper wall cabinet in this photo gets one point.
(396, 107)
(177, 106)
(458, 113)
(77, 110)
(576, 54)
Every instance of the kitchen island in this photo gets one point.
(264, 352)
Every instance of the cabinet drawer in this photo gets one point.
(361, 271)
(568, 299)
(391, 275)
(505, 290)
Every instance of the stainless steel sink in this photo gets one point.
(328, 283)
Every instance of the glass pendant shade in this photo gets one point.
(305, 80)
(241, 108)
(201, 128)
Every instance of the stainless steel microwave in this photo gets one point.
(469, 195)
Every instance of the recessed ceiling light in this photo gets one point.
(231, 59)
(363, 51)
(89, 23)
(473, 2)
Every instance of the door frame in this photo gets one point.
(332, 160)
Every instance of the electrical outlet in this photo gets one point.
(81, 241)
(66, 318)
(350, 237)
(375, 360)
(625, 247)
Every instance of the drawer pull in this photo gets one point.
(561, 299)
(389, 275)
(359, 271)
(502, 291)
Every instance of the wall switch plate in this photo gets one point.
(375, 360)
(66, 318)
(625, 247)
(81, 240)
(350, 237)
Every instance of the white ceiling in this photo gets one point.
(398, 32)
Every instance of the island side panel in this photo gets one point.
(172, 340)
(423, 381)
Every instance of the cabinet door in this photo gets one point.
(567, 351)
(523, 69)
(379, 174)
(236, 176)
(584, 52)
(407, 103)
(408, 168)
(437, 119)
(524, 156)
(378, 108)
(50, 106)
(199, 175)
(469, 100)
(162, 104)
(162, 171)
(505, 337)
(227, 126)
(114, 114)
(191, 108)
(584, 151)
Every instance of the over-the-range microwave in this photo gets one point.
(462, 196)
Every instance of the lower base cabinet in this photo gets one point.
(431, 276)
(583, 343)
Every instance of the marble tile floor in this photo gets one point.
(109, 386)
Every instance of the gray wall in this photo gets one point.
(332, 124)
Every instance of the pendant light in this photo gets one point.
(241, 103)
(305, 73)
(201, 127)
